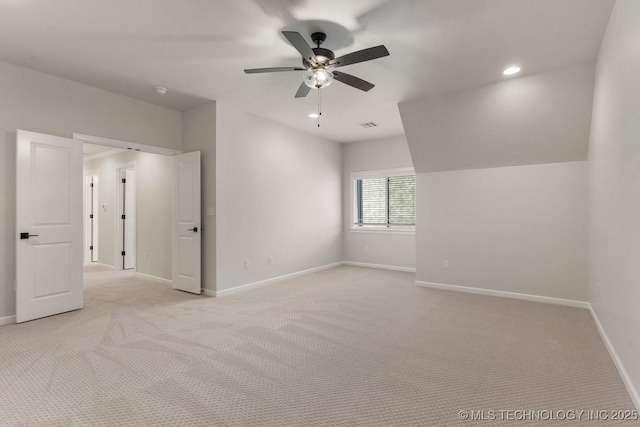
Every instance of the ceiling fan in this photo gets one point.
(319, 64)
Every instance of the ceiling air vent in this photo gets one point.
(368, 125)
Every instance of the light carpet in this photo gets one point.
(347, 346)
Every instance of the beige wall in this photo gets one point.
(154, 181)
(380, 248)
(517, 229)
(501, 188)
(199, 134)
(614, 184)
(278, 193)
(42, 103)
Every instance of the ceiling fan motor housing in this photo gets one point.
(323, 56)
(318, 38)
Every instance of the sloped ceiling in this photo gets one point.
(197, 49)
(539, 118)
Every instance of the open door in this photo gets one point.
(49, 225)
(128, 206)
(91, 218)
(186, 223)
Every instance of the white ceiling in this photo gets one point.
(198, 49)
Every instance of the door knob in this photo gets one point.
(194, 229)
(27, 235)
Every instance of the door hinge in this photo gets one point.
(124, 217)
(91, 247)
(91, 216)
(123, 254)
(124, 180)
(91, 185)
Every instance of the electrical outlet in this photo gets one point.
(270, 260)
(246, 264)
(446, 264)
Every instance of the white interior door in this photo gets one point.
(91, 218)
(186, 223)
(94, 223)
(49, 225)
(129, 224)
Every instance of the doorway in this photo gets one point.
(136, 209)
(49, 215)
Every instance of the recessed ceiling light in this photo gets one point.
(511, 70)
(313, 115)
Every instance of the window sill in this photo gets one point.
(384, 230)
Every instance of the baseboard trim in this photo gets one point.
(87, 264)
(248, 286)
(379, 266)
(7, 320)
(633, 393)
(505, 294)
(155, 278)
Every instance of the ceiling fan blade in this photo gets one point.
(301, 46)
(354, 81)
(272, 70)
(303, 91)
(360, 56)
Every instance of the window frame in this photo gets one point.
(372, 228)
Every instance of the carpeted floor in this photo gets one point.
(347, 346)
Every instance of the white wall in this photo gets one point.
(614, 184)
(154, 181)
(381, 248)
(278, 193)
(199, 134)
(501, 187)
(517, 229)
(42, 103)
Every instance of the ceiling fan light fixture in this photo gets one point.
(317, 78)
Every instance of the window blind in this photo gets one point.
(372, 201)
(402, 200)
(388, 201)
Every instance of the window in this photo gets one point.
(385, 200)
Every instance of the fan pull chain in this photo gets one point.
(319, 105)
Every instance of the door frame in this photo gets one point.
(125, 145)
